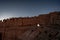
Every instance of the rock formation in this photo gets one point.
(25, 28)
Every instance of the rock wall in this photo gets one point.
(55, 17)
(25, 28)
(51, 18)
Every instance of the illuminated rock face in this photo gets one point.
(26, 28)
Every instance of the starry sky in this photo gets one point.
(24, 8)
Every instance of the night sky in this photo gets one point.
(24, 8)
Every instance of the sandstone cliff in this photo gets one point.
(25, 28)
(51, 18)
